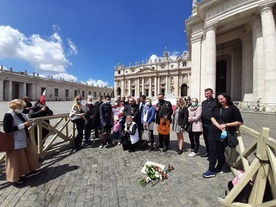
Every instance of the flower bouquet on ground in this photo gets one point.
(154, 173)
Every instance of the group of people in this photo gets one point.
(124, 122)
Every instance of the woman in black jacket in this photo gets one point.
(180, 118)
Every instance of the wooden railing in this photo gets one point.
(61, 135)
(258, 162)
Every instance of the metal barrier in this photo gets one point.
(61, 135)
(253, 106)
(261, 170)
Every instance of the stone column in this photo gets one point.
(156, 86)
(1, 90)
(150, 83)
(167, 91)
(137, 87)
(269, 41)
(24, 90)
(123, 87)
(9, 91)
(143, 86)
(247, 69)
(211, 60)
(196, 65)
(258, 59)
(129, 86)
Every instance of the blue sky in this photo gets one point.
(83, 40)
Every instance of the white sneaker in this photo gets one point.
(101, 146)
(192, 154)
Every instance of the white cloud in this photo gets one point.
(172, 55)
(65, 76)
(73, 49)
(45, 55)
(97, 82)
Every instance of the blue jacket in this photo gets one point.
(151, 114)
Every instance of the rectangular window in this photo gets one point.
(56, 92)
(75, 93)
(66, 93)
(82, 94)
(171, 66)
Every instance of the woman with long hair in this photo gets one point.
(180, 118)
(225, 116)
(78, 111)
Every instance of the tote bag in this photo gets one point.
(6, 142)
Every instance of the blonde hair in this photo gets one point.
(17, 103)
(182, 103)
(76, 104)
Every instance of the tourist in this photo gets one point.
(131, 141)
(97, 119)
(106, 115)
(208, 106)
(180, 118)
(40, 110)
(163, 116)
(22, 160)
(90, 113)
(78, 113)
(147, 119)
(27, 106)
(196, 128)
(142, 101)
(225, 116)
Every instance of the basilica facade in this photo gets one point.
(14, 85)
(232, 44)
(160, 75)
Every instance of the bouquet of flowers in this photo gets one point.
(154, 174)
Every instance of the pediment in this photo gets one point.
(145, 70)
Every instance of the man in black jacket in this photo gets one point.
(97, 119)
(208, 107)
(107, 121)
(163, 110)
(40, 110)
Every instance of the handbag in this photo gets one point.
(232, 140)
(146, 135)
(74, 119)
(6, 142)
(188, 127)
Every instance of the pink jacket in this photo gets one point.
(116, 127)
(195, 113)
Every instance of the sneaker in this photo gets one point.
(165, 149)
(119, 143)
(101, 146)
(205, 155)
(192, 154)
(33, 173)
(209, 174)
(218, 171)
(179, 151)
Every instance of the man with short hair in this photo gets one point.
(163, 111)
(97, 119)
(106, 115)
(208, 106)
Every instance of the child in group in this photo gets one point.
(115, 134)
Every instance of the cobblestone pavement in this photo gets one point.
(109, 177)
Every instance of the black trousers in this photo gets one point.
(216, 155)
(164, 140)
(78, 138)
(206, 134)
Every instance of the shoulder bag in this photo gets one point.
(6, 142)
(231, 140)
